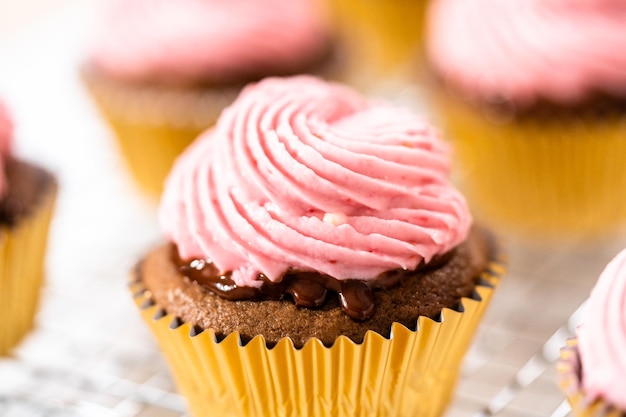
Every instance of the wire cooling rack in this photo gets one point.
(90, 356)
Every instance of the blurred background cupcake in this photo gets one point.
(319, 262)
(534, 94)
(162, 71)
(27, 196)
(381, 41)
(593, 366)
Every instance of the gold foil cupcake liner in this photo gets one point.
(22, 254)
(411, 373)
(382, 38)
(154, 125)
(539, 177)
(569, 370)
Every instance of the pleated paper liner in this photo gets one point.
(540, 177)
(569, 369)
(153, 125)
(381, 37)
(411, 373)
(22, 254)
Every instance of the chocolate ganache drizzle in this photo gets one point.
(307, 289)
(305, 187)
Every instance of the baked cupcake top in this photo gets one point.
(6, 132)
(524, 51)
(208, 41)
(300, 174)
(602, 336)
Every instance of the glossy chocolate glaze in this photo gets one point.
(306, 288)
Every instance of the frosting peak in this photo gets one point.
(527, 50)
(602, 336)
(200, 41)
(307, 175)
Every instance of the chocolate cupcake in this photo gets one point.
(534, 94)
(161, 72)
(27, 195)
(318, 262)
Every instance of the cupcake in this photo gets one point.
(534, 93)
(162, 71)
(592, 367)
(27, 195)
(380, 38)
(318, 261)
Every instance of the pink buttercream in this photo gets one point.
(526, 50)
(188, 41)
(309, 175)
(6, 132)
(602, 336)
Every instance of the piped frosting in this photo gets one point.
(524, 51)
(300, 174)
(197, 41)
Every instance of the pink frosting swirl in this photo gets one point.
(526, 50)
(309, 175)
(6, 133)
(190, 41)
(602, 336)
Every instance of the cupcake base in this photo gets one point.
(549, 175)
(23, 238)
(410, 372)
(380, 37)
(154, 124)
